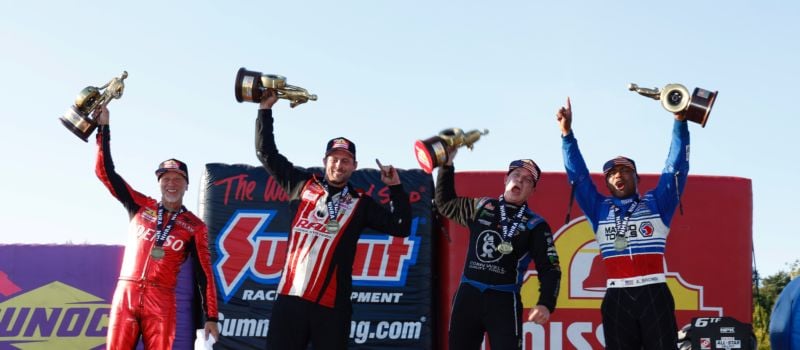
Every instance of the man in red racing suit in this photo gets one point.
(313, 303)
(160, 237)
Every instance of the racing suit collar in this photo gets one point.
(624, 202)
(333, 188)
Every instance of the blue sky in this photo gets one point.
(388, 73)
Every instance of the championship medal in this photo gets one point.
(333, 208)
(157, 253)
(620, 243)
(509, 228)
(332, 226)
(621, 222)
(161, 235)
(505, 248)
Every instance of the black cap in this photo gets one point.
(343, 144)
(175, 165)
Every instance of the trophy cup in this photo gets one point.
(433, 152)
(675, 98)
(78, 118)
(250, 87)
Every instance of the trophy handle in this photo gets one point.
(296, 95)
(653, 93)
(454, 137)
(473, 136)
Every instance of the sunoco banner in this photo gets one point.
(248, 218)
(59, 296)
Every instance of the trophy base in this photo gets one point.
(430, 153)
(248, 86)
(78, 124)
(700, 106)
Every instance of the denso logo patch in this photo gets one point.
(246, 250)
(54, 316)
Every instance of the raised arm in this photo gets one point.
(459, 209)
(676, 170)
(104, 168)
(586, 193)
(394, 220)
(288, 177)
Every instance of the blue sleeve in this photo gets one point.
(784, 329)
(676, 170)
(586, 194)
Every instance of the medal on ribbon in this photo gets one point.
(505, 248)
(621, 222)
(509, 228)
(333, 208)
(332, 226)
(157, 252)
(620, 243)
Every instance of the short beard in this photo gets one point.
(337, 183)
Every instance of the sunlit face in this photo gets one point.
(173, 186)
(621, 181)
(339, 166)
(519, 186)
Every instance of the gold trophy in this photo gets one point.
(250, 87)
(433, 152)
(78, 118)
(675, 98)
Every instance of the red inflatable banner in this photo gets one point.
(708, 256)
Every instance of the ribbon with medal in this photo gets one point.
(621, 241)
(161, 235)
(333, 208)
(509, 228)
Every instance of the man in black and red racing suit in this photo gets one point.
(505, 235)
(160, 237)
(313, 302)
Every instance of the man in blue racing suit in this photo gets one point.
(638, 309)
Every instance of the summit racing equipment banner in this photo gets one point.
(708, 256)
(59, 297)
(248, 217)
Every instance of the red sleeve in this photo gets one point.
(208, 286)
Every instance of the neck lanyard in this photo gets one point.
(333, 207)
(510, 228)
(621, 222)
(161, 235)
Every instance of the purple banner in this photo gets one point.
(59, 296)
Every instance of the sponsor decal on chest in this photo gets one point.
(646, 229)
(184, 225)
(149, 214)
